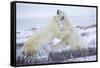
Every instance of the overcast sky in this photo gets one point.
(39, 15)
(25, 10)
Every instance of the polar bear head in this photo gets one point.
(61, 24)
(59, 19)
(60, 15)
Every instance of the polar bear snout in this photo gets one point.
(62, 18)
(58, 11)
(60, 14)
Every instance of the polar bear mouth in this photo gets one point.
(59, 13)
(62, 18)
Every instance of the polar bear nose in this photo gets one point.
(62, 18)
(58, 11)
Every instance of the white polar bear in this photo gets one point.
(44, 37)
(59, 28)
(69, 35)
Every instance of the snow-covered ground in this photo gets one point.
(88, 34)
(88, 58)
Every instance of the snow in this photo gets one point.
(23, 35)
(88, 35)
(88, 58)
(55, 41)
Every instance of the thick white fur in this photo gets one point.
(69, 35)
(66, 33)
(42, 38)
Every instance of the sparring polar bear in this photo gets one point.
(59, 28)
(70, 37)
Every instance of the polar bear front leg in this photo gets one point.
(29, 49)
(59, 46)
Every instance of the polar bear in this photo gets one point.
(59, 28)
(45, 36)
(69, 36)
